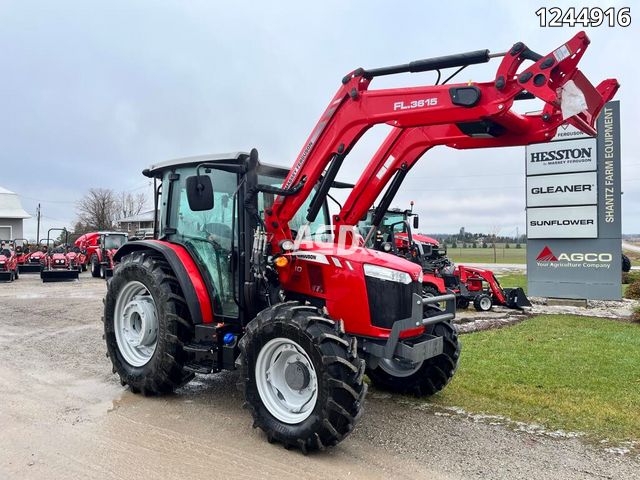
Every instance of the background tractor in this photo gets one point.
(99, 249)
(471, 285)
(243, 275)
(59, 266)
(8, 261)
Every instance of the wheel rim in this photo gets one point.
(399, 368)
(287, 381)
(136, 324)
(485, 303)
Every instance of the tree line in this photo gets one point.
(101, 208)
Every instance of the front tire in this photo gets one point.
(145, 323)
(301, 377)
(482, 302)
(426, 378)
(95, 266)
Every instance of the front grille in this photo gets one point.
(389, 301)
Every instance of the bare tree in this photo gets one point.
(131, 204)
(493, 231)
(98, 209)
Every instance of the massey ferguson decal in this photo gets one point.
(546, 258)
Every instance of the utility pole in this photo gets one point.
(38, 228)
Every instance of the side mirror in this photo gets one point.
(416, 221)
(200, 193)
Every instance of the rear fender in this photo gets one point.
(186, 271)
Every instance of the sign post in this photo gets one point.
(574, 234)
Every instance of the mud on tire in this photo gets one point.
(340, 374)
(164, 372)
(434, 374)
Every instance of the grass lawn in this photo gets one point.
(564, 372)
(485, 255)
(511, 280)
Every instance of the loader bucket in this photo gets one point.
(5, 276)
(516, 298)
(29, 268)
(59, 275)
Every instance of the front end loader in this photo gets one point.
(58, 267)
(226, 284)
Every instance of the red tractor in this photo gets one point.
(59, 265)
(22, 250)
(227, 286)
(471, 285)
(8, 261)
(99, 248)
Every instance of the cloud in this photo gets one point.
(93, 93)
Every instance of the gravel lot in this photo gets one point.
(63, 415)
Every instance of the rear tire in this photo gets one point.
(95, 266)
(482, 302)
(462, 303)
(626, 264)
(431, 376)
(331, 361)
(163, 371)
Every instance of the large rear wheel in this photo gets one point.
(145, 323)
(423, 378)
(301, 377)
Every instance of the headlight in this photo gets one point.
(384, 273)
(420, 276)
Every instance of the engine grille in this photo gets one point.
(389, 301)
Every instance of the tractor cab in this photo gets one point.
(218, 237)
(108, 245)
(395, 234)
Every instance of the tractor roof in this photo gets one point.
(157, 169)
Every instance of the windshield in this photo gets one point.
(114, 241)
(391, 221)
(317, 228)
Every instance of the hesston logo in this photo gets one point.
(546, 255)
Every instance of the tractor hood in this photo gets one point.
(321, 252)
(419, 238)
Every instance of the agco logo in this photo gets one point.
(546, 255)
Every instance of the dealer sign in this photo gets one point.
(569, 189)
(573, 213)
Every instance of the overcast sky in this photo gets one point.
(93, 92)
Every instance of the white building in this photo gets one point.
(11, 215)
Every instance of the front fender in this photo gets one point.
(186, 271)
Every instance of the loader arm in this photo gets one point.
(471, 115)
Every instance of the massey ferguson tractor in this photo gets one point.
(8, 262)
(59, 266)
(471, 285)
(226, 284)
(99, 248)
